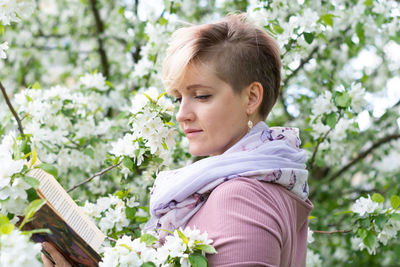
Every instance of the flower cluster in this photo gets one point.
(376, 225)
(3, 48)
(151, 129)
(13, 195)
(181, 248)
(12, 10)
(16, 250)
(66, 123)
(114, 214)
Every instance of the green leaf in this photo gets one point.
(32, 194)
(26, 155)
(206, 248)
(48, 168)
(343, 100)
(327, 18)
(6, 228)
(330, 119)
(360, 31)
(164, 146)
(167, 231)
(1, 29)
(3, 219)
(33, 207)
(127, 162)
(33, 182)
(311, 217)
(369, 239)
(309, 37)
(36, 86)
(365, 222)
(34, 157)
(395, 216)
(380, 220)
(130, 213)
(148, 239)
(37, 231)
(109, 84)
(368, 2)
(362, 233)
(378, 198)
(148, 264)
(183, 237)
(126, 246)
(89, 152)
(278, 28)
(395, 201)
(161, 95)
(162, 21)
(343, 212)
(198, 260)
(148, 97)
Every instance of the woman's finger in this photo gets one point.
(46, 261)
(56, 255)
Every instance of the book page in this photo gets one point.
(67, 208)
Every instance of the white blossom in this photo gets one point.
(125, 146)
(313, 259)
(340, 129)
(11, 10)
(357, 94)
(95, 80)
(16, 250)
(310, 237)
(3, 48)
(323, 104)
(365, 205)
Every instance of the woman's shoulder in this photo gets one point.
(259, 199)
(256, 190)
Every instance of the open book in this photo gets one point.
(73, 233)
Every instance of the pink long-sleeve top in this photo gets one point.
(254, 223)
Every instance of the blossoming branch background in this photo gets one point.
(76, 72)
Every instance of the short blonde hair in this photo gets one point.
(239, 52)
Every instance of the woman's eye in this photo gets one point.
(178, 100)
(202, 97)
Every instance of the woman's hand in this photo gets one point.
(57, 256)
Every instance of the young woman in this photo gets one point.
(250, 195)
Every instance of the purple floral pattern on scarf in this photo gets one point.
(274, 176)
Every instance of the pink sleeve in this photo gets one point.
(249, 223)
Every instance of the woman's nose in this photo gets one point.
(185, 112)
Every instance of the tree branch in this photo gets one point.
(93, 176)
(321, 140)
(362, 155)
(100, 31)
(3, 90)
(332, 232)
(301, 66)
(303, 61)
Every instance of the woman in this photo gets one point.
(251, 195)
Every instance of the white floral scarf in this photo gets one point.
(266, 154)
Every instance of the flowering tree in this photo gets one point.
(82, 92)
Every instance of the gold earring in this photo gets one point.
(250, 124)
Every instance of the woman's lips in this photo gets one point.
(192, 132)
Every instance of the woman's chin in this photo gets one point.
(199, 151)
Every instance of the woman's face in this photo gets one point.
(212, 116)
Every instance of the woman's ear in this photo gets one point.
(255, 97)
